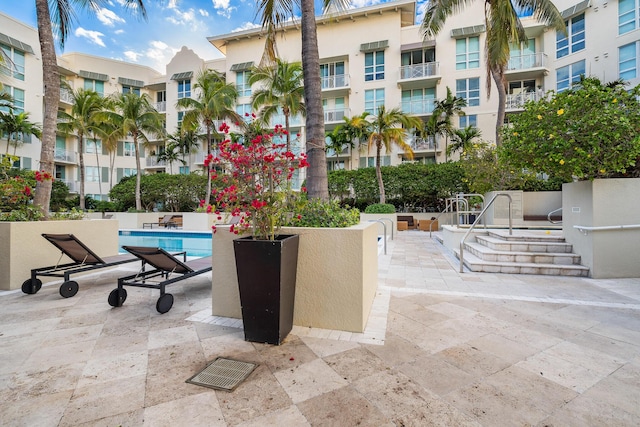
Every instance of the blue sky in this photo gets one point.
(116, 33)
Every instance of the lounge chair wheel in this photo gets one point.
(31, 287)
(164, 304)
(69, 289)
(117, 297)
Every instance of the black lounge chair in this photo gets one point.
(165, 266)
(167, 221)
(84, 259)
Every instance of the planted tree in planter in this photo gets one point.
(257, 192)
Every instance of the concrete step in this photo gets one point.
(543, 257)
(500, 244)
(528, 235)
(476, 264)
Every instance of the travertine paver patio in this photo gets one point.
(443, 348)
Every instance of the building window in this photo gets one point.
(180, 119)
(565, 76)
(468, 53)
(370, 161)
(244, 110)
(573, 40)
(469, 89)
(420, 56)
(628, 15)
(242, 83)
(418, 101)
(129, 149)
(127, 89)
(468, 120)
(374, 65)
(332, 75)
(92, 174)
(184, 170)
(18, 99)
(184, 88)
(94, 85)
(628, 61)
(373, 99)
(93, 147)
(14, 62)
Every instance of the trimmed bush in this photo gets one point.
(380, 208)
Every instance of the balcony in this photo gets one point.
(346, 152)
(73, 186)
(419, 75)
(66, 96)
(423, 144)
(423, 107)
(161, 107)
(516, 101)
(294, 121)
(337, 84)
(153, 162)
(335, 116)
(63, 156)
(527, 66)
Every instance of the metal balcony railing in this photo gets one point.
(161, 107)
(153, 162)
(64, 156)
(419, 71)
(423, 144)
(524, 62)
(335, 115)
(515, 101)
(335, 82)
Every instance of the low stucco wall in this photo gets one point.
(337, 276)
(597, 203)
(23, 247)
(134, 220)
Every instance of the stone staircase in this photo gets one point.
(523, 252)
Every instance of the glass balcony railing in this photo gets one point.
(161, 107)
(336, 115)
(153, 162)
(517, 100)
(423, 106)
(334, 82)
(423, 144)
(65, 95)
(524, 62)
(64, 156)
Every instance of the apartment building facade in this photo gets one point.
(369, 56)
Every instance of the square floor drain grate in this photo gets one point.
(223, 374)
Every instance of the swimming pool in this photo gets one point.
(196, 244)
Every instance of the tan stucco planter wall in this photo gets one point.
(23, 247)
(134, 220)
(336, 282)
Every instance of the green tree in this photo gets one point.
(444, 110)
(348, 134)
(171, 154)
(387, 131)
(281, 90)
(463, 140)
(60, 17)
(16, 126)
(503, 27)
(134, 116)
(81, 122)
(215, 100)
(589, 131)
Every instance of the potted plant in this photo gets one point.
(257, 192)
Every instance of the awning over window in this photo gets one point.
(182, 76)
(130, 82)
(575, 9)
(419, 45)
(242, 66)
(16, 44)
(468, 31)
(370, 47)
(93, 76)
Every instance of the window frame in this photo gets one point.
(636, 50)
(575, 39)
(374, 63)
(571, 77)
(376, 100)
(467, 92)
(16, 67)
(467, 59)
(634, 13)
(242, 82)
(184, 88)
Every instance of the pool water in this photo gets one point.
(196, 244)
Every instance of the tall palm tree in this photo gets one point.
(389, 128)
(134, 116)
(187, 142)
(443, 111)
(350, 133)
(15, 126)
(215, 101)
(62, 16)
(171, 154)
(81, 122)
(503, 27)
(463, 139)
(273, 14)
(282, 90)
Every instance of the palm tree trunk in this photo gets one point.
(383, 198)
(95, 146)
(81, 159)
(498, 77)
(112, 163)
(51, 80)
(207, 197)
(286, 126)
(317, 184)
(138, 171)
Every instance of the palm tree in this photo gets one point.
(282, 90)
(349, 133)
(463, 138)
(215, 101)
(503, 27)
(273, 14)
(134, 115)
(81, 121)
(187, 141)
(386, 131)
(62, 16)
(443, 111)
(16, 126)
(171, 154)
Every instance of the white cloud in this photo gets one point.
(118, 32)
(108, 17)
(245, 26)
(93, 36)
(131, 55)
(222, 7)
(203, 12)
(159, 54)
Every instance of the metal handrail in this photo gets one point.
(551, 213)
(437, 217)
(585, 230)
(478, 219)
(467, 211)
(390, 221)
(384, 243)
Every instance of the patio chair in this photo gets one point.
(166, 222)
(168, 269)
(84, 259)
